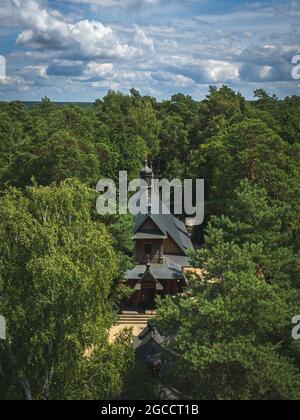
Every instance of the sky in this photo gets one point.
(76, 50)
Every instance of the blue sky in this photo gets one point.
(75, 50)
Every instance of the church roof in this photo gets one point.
(146, 170)
(149, 334)
(166, 271)
(168, 225)
(181, 260)
(148, 275)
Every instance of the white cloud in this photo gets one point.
(6, 14)
(13, 83)
(182, 81)
(43, 27)
(171, 79)
(265, 72)
(220, 71)
(95, 72)
(98, 40)
(267, 63)
(171, 46)
(142, 39)
(203, 71)
(30, 72)
(122, 3)
(46, 28)
(93, 68)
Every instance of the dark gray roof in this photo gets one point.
(181, 260)
(168, 224)
(146, 170)
(149, 274)
(149, 334)
(168, 270)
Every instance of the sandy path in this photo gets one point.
(136, 329)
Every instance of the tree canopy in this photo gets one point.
(61, 264)
(58, 268)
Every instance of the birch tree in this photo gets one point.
(57, 270)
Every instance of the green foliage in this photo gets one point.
(174, 144)
(248, 150)
(58, 268)
(232, 332)
(61, 264)
(141, 384)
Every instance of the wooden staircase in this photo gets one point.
(135, 318)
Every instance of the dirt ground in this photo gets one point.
(137, 329)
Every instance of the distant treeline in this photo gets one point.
(30, 104)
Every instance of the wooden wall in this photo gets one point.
(171, 248)
(157, 251)
(171, 287)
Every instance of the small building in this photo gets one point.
(149, 346)
(162, 243)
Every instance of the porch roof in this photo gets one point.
(169, 270)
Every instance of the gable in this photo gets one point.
(167, 225)
(149, 222)
(148, 281)
(150, 226)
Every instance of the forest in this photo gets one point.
(61, 264)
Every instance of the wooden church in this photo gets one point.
(161, 250)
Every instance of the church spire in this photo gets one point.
(146, 174)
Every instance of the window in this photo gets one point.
(148, 249)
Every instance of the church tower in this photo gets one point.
(161, 252)
(146, 174)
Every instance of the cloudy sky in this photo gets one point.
(75, 50)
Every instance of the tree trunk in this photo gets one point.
(27, 389)
(24, 381)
